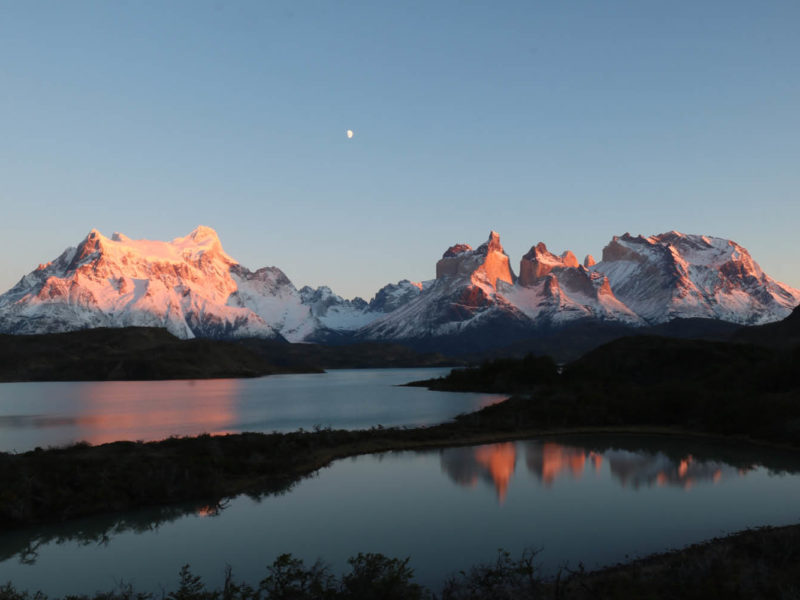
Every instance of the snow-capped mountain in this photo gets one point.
(463, 295)
(673, 275)
(192, 287)
(556, 289)
(183, 285)
(640, 281)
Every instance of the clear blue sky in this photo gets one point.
(562, 122)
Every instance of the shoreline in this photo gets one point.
(298, 455)
(103, 479)
(754, 562)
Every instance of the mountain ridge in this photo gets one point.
(192, 288)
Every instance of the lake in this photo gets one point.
(590, 499)
(54, 414)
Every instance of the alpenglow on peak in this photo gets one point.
(191, 287)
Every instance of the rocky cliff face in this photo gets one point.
(674, 275)
(555, 289)
(538, 262)
(394, 295)
(640, 281)
(488, 265)
(464, 293)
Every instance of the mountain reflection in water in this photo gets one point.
(58, 413)
(494, 463)
(634, 467)
(556, 468)
(172, 406)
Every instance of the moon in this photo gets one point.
(350, 134)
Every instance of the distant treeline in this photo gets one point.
(715, 387)
(151, 353)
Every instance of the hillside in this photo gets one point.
(133, 353)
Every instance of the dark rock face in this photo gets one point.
(455, 250)
(489, 262)
(539, 262)
(675, 275)
(616, 251)
(393, 296)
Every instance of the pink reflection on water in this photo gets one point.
(499, 460)
(154, 410)
(550, 461)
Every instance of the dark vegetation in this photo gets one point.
(783, 334)
(569, 342)
(725, 388)
(508, 338)
(60, 484)
(148, 353)
(364, 355)
(502, 375)
(142, 353)
(133, 353)
(762, 563)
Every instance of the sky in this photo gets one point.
(561, 122)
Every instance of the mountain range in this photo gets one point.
(191, 287)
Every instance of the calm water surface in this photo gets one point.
(51, 414)
(590, 499)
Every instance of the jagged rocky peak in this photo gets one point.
(271, 277)
(539, 262)
(183, 285)
(487, 264)
(321, 299)
(453, 251)
(394, 295)
(492, 244)
(677, 275)
(676, 247)
(569, 259)
(191, 287)
(619, 248)
(200, 246)
(321, 295)
(589, 261)
(90, 244)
